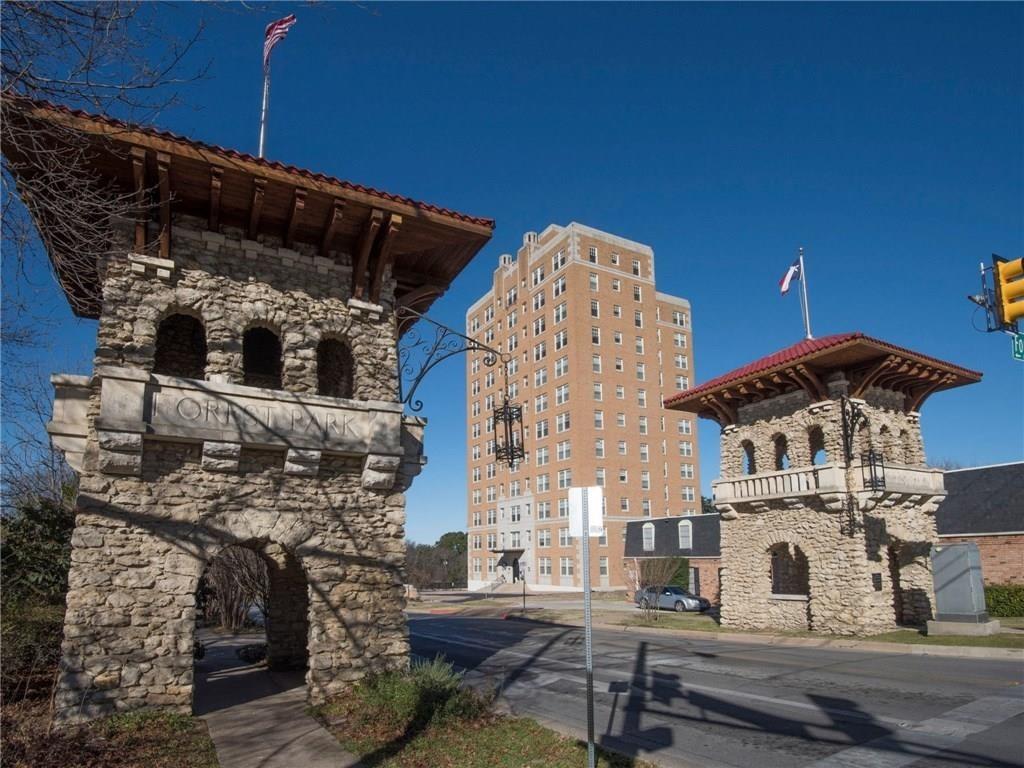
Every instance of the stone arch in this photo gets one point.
(816, 447)
(335, 368)
(288, 618)
(180, 345)
(262, 357)
(780, 448)
(792, 612)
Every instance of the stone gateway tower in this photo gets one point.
(245, 392)
(828, 508)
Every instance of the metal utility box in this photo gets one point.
(959, 590)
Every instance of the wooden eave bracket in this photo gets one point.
(216, 182)
(334, 217)
(363, 253)
(139, 181)
(385, 256)
(259, 190)
(298, 204)
(163, 167)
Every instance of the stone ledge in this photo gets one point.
(365, 309)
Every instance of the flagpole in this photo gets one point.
(803, 295)
(263, 110)
(262, 114)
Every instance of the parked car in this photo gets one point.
(670, 598)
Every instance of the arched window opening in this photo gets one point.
(816, 443)
(334, 369)
(648, 530)
(749, 465)
(261, 358)
(884, 442)
(180, 347)
(781, 452)
(789, 570)
(685, 534)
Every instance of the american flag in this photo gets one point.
(276, 32)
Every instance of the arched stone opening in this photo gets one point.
(790, 573)
(249, 594)
(816, 446)
(781, 446)
(261, 358)
(335, 368)
(180, 347)
(749, 461)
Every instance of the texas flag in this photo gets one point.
(793, 273)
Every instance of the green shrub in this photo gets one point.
(393, 707)
(35, 548)
(1005, 599)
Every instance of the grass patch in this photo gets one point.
(148, 738)
(1012, 622)
(914, 637)
(666, 620)
(424, 717)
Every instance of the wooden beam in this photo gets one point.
(331, 227)
(873, 373)
(259, 190)
(363, 253)
(385, 255)
(728, 412)
(816, 383)
(163, 170)
(216, 178)
(298, 203)
(141, 212)
(914, 402)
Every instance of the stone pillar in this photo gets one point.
(287, 608)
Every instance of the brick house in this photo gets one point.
(986, 505)
(695, 537)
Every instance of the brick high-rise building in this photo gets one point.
(595, 349)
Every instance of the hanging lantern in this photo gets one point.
(508, 429)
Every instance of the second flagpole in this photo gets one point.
(803, 294)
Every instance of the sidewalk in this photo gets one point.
(257, 718)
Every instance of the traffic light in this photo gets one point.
(1008, 279)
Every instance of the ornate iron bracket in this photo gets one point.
(853, 414)
(424, 346)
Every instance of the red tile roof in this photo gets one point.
(800, 351)
(245, 157)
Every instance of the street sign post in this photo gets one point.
(1018, 345)
(586, 520)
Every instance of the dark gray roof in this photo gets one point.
(983, 500)
(705, 539)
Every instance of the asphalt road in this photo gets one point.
(720, 703)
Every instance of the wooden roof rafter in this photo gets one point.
(265, 201)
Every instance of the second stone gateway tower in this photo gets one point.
(828, 508)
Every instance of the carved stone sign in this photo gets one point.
(135, 401)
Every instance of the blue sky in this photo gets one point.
(887, 139)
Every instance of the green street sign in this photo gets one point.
(1018, 346)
